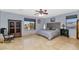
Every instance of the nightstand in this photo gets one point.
(64, 32)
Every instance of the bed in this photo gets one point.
(49, 33)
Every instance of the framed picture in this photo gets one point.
(52, 19)
(39, 21)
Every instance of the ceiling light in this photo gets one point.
(41, 15)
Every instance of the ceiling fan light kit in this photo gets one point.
(41, 15)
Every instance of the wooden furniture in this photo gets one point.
(64, 32)
(77, 29)
(14, 27)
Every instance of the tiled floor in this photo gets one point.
(35, 42)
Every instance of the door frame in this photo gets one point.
(77, 30)
(20, 27)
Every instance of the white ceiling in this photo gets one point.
(31, 12)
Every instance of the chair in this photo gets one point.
(6, 35)
(1, 38)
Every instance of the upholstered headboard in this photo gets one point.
(53, 25)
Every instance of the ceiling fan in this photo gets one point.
(41, 12)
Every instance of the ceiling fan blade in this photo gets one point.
(36, 10)
(45, 13)
(36, 13)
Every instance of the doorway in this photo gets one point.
(14, 27)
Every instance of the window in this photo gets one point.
(29, 24)
(71, 21)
